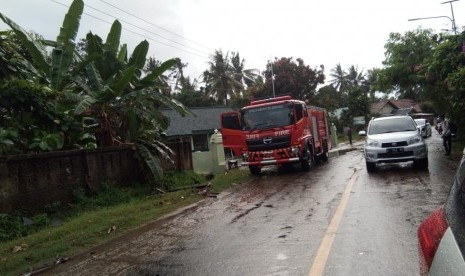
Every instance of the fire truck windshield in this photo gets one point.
(263, 117)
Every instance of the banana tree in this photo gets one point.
(104, 85)
(123, 99)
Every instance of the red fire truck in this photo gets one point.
(276, 131)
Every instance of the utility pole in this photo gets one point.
(454, 27)
(272, 76)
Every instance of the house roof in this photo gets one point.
(206, 120)
(407, 103)
(402, 111)
(410, 104)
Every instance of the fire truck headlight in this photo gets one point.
(295, 150)
(245, 156)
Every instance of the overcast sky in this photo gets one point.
(324, 32)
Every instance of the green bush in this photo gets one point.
(12, 226)
(175, 180)
(108, 194)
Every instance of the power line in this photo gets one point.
(129, 23)
(149, 38)
(164, 29)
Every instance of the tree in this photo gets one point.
(338, 77)
(329, 98)
(292, 77)
(355, 77)
(444, 72)
(247, 77)
(405, 55)
(102, 84)
(220, 80)
(191, 96)
(47, 126)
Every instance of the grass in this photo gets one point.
(89, 228)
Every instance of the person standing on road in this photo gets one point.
(446, 135)
(349, 133)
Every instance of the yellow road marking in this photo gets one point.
(319, 263)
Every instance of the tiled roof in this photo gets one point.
(206, 120)
(407, 103)
(402, 111)
(397, 104)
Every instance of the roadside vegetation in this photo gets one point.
(113, 211)
(67, 94)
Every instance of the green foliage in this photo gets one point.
(8, 136)
(226, 77)
(108, 194)
(405, 57)
(329, 98)
(47, 142)
(12, 226)
(174, 180)
(292, 77)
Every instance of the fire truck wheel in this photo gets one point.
(308, 159)
(325, 157)
(255, 170)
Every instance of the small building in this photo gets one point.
(189, 136)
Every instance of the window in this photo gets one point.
(200, 142)
(299, 109)
(231, 121)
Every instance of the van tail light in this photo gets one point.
(430, 234)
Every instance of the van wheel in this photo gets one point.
(255, 170)
(371, 167)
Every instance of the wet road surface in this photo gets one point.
(275, 225)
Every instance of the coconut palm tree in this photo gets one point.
(220, 79)
(247, 77)
(355, 77)
(338, 77)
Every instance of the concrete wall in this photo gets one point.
(30, 182)
(202, 162)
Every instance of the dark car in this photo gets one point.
(441, 236)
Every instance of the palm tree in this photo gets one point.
(354, 77)
(247, 77)
(220, 79)
(338, 76)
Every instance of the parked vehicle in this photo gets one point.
(394, 139)
(424, 126)
(441, 237)
(277, 131)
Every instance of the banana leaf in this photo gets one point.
(34, 47)
(63, 53)
(123, 53)
(113, 38)
(157, 72)
(139, 55)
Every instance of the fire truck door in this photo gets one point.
(231, 131)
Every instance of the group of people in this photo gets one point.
(446, 134)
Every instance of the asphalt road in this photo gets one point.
(333, 220)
